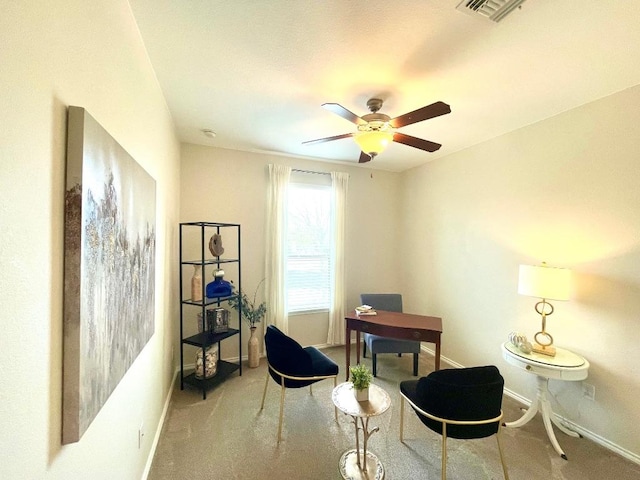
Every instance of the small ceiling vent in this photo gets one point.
(493, 10)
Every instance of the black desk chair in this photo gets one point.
(459, 403)
(390, 302)
(292, 366)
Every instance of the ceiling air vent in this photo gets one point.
(494, 10)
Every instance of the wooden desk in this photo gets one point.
(405, 326)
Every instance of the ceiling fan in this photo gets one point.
(377, 130)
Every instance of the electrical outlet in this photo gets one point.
(588, 391)
(140, 435)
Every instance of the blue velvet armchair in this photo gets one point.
(462, 403)
(292, 366)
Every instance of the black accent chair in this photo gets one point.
(390, 302)
(460, 403)
(292, 366)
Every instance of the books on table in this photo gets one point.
(365, 310)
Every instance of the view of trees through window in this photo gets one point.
(308, 248)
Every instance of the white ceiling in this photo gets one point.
(256, 71)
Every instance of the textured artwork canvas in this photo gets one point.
(109, 269)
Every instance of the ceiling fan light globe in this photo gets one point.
(373, 142)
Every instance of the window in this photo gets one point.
(308, 248)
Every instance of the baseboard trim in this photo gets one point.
(594, 437)
(602, 441)
(443, 359)
(156, 438)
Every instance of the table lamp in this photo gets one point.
(547, 283)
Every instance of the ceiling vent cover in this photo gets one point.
(493, 10)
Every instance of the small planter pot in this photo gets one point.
(362, 395)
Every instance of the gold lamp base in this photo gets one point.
(549, 350)
(543, 340)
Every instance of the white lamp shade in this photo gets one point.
(550, 283)
(374, 141)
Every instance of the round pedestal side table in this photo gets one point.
(565, 365)
(359, 463)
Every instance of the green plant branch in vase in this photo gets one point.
(251, 311)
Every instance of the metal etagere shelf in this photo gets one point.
(194, 238)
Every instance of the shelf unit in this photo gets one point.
(194, 237)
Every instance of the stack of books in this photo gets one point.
(365, 310)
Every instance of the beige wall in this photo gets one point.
(565, 191)
(229, 186)
(87, 54)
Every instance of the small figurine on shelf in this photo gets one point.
(219, 287)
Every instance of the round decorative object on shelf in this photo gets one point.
(211, 362)
(215, 245)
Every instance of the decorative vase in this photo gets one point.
(196, 284)
(219, 287)
(362, 395)
(211, 362)
(254, 352)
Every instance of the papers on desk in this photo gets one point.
(365, 310)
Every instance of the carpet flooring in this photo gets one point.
(227, 436)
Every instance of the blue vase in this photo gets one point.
(218, 288)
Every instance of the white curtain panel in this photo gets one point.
(339, 184)
(274, 263)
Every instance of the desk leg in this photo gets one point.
(542, 404)
(438, 354)
(347, 348)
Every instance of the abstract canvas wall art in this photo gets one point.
(109, 269)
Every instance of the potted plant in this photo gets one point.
(253, 313)
(361, 378)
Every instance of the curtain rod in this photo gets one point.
(309, 171)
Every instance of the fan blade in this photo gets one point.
(328, 139)
(416, 142)
(344, 113)
(364, 158)
(424, 113)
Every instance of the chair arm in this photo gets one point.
(293, 377)
(450, 421)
